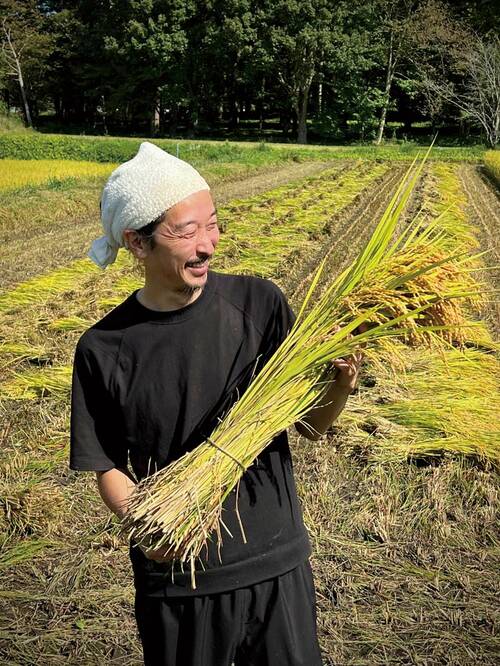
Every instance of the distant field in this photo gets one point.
(401, 497)
(18, 173)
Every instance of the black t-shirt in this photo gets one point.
(148, 386)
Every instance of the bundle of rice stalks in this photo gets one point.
(404, 289)
(32, 384)
(40, 289)
(437, 402)
(67, 324)
(22, 350)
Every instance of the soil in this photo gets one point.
(484, 214)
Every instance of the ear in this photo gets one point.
(135, 244)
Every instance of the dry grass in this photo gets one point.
(405, 557)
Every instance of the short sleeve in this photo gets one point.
(280, 322)
(96, 442)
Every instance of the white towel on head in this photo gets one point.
(138, 192)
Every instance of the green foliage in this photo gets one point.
(204, 153)
(23, 551)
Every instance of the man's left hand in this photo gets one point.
(349, 367)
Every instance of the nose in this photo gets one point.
(206, 241)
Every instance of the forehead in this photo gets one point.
(195, 208)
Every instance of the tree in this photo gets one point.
(414, 37)
(23, 44)
(477, 96)
(298, 35)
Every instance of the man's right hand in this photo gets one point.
(160, 555)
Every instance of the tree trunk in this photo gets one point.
(27, 113)
(387, 92)
(155, 116)
(261, 104)
(301, 110)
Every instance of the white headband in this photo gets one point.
(138, 192)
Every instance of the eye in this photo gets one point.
(189, 231)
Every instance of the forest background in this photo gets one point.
(274, 70)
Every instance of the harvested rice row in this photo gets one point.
(437, 402)
(19, 173)
(40, 289)
(446, 199)
(444, 196)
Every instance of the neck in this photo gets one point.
(159, 297)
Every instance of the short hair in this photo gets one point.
(147, 231)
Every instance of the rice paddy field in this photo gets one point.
(401, 497)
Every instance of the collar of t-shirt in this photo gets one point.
(180, 314)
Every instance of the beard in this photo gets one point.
(188, 290)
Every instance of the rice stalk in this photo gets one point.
(440, 401)
(33, 384)
(41, 288)
(66, 324)
(407, 290)
(23, 551)
(22, 350)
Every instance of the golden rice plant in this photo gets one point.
(43, 287)
(179, 507)
(67, 324)
(18, 173)
(492, 165)
(437, 401)
(444, 196)
(21, 350)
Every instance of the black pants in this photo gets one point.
(272, 623)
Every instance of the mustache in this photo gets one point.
(199, 259)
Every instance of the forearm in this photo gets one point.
(115, 487)
(321, 417)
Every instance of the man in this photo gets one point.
(151, 380)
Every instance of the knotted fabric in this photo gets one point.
(138, 192)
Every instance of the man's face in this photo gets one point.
(184, 243)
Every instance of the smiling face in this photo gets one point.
(184, 243)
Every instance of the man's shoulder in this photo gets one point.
(257, 299)
(107, 332)
(242, 288)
